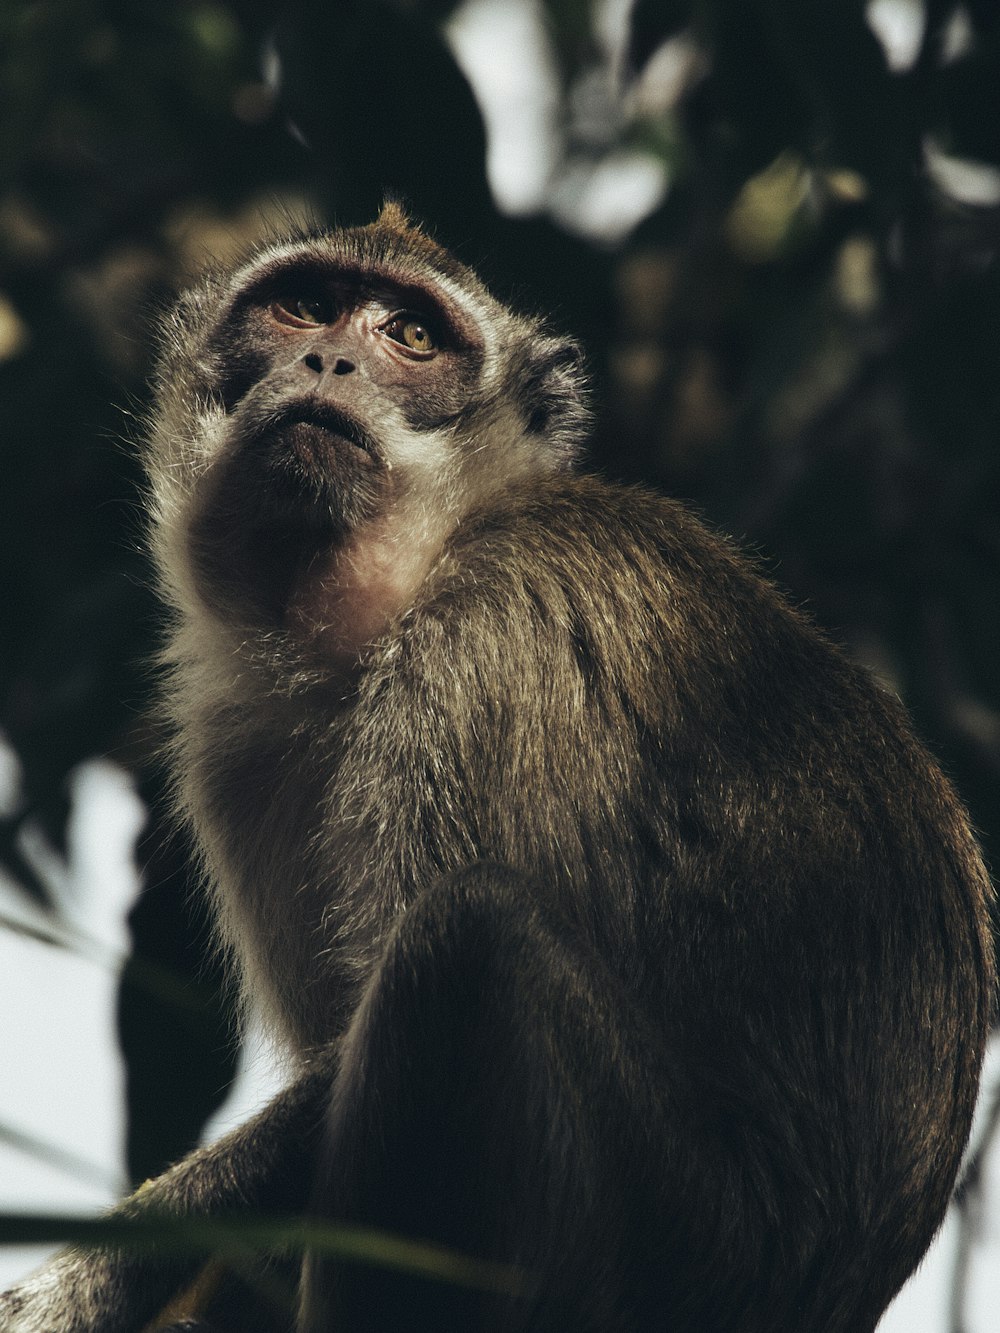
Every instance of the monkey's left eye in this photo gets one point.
(303, 309)
(412, 332)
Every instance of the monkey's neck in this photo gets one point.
(348, 596)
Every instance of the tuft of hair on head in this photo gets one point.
(394, 217)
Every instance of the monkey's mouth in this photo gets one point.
(315, 435)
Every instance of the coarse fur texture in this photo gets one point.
(619, 925)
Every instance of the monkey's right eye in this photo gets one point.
(303, 311)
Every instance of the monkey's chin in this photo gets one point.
(286, 496)
(311, 475)
(314, 466)
(318, 451)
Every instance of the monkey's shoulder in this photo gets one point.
(586, 523)
(576, 547)
(596, 595)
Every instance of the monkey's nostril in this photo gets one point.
(342, 366)
(314, 361)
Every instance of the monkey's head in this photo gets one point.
(328, 413)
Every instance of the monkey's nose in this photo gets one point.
(338, 365)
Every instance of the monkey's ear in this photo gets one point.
(556, 393)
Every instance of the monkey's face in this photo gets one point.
(340, 390)
(328, 416)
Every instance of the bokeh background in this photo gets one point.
(773, 223)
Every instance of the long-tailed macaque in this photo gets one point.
(620, 929)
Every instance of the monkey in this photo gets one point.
(618, 927)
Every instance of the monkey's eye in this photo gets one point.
(303, 309)
(412, 332)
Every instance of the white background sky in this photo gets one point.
(60, 1074)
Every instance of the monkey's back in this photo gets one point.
(602, 694)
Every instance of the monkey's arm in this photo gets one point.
(264, 1165)
(490, 1053)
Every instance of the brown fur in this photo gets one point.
(646, 946)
